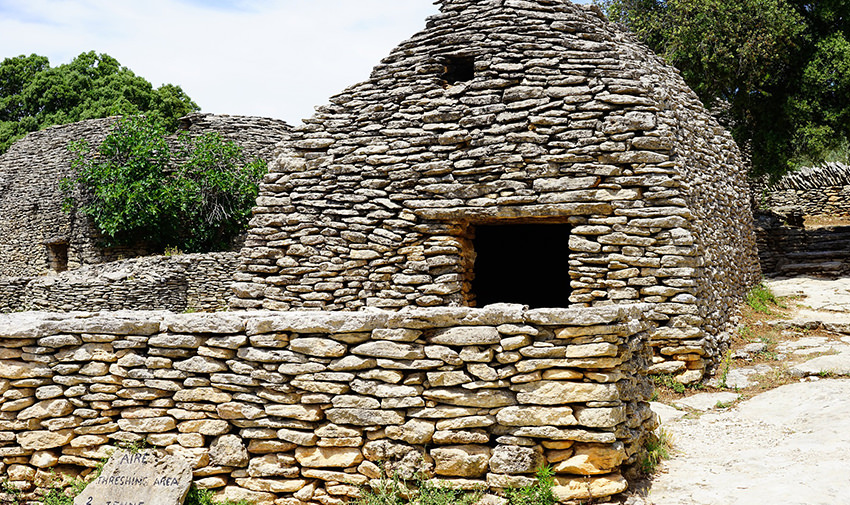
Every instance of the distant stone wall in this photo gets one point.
(305, 406)
(820, 190)
(31, 201)
(199, 282)
(787, 248)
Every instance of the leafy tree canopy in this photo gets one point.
(195, 196)
(775, 72)
(34, 95)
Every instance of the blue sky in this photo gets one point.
(275, 58)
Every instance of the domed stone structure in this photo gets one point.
(514, 151)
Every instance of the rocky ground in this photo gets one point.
(773, 427)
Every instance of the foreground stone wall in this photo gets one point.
(31, 201)
(301, 407)
(820, 190)
(195, 282)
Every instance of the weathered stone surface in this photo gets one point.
(391, 350)
(592, 459)
(461, 461)
(556, 392)
(536, 416)
(466, 335)
(513, 459)
(465, 398)
(39, 439)
(321, 347)
(364, 417)
(148, 476)
(228, 450)
(566, 489)
(47, 408)
(328, 457)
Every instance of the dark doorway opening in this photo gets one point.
(57, 256)
(459, 69)
(523, 263)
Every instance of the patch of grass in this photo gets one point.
(435, 494)
(7, 488)
(539, 493)
(197, 496)
(658, 448)
(391, 490)
(761, 299)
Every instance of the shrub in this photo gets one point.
(136, 190)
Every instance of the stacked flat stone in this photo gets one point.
(564, 118)
(819, 190)
(31, 201)
(195, 282)
(302, 408)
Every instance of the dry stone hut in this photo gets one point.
(36, 236)
(513, 151)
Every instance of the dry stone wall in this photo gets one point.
(195, 282)
(31, 201)
(512, 112)
(300, 408)
(820, 190)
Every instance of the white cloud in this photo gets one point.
(276, 58)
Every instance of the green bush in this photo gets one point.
(136, 191)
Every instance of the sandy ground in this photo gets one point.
(789, 445)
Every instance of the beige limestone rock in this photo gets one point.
(301, 412)
(202, 394)
(328, 457)
(228, 450)
(149, 425)
(212, 427)
(39, 439)
(47, 408)
(466, 335)
(328, 475)
(592, 459)
(302, 438)
(557, 392)
(364, 417)
(257, 446)
(566, 489)
(239, 410)
(271, 485)
(236, 493)
(536, 416)
(414, 431)
(321, 347)
(271, 465)
(10, 369)
(514, 459)
(466, 398)
(44, 459)
(461, 437)
(390, 350)
(461, 460)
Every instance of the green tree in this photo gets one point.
(136, 190)
(34, 95)
(773, 71)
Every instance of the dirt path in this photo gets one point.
(789, 445)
